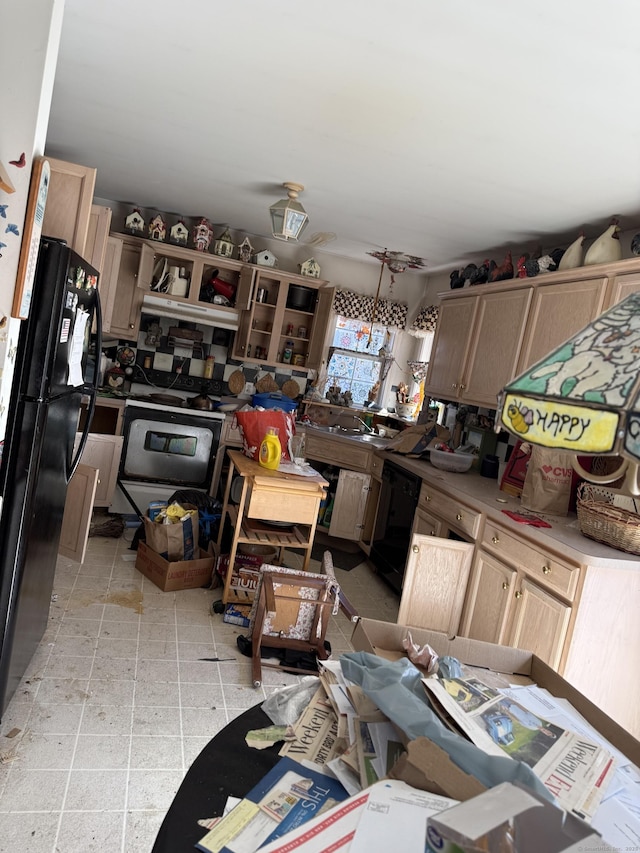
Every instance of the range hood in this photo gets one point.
(208, 315)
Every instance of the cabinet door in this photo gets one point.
(347, 520)
(495, 347)
(103, 453)
(78, 508)
(434, 583)
(540, 622)
(122, 316)
(97, 235)
(489, 598)
(558, 311)
(452, 338)
(622, 286)
(319, 325)
(426, 525)
(69, 201)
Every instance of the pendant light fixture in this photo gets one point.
(288, 216)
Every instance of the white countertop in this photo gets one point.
(483, 495)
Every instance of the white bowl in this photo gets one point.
(457, 462)
(405, 410)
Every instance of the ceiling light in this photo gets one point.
(288, 216)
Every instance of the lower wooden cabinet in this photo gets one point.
(434, 583)
(102, 452)
(489, 598)
(350, 503)
(540, 622)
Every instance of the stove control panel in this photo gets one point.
(178, 382)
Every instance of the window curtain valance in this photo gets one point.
(426, 321)
(356, 306)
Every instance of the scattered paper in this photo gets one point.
(262, 738)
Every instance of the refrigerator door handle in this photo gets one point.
(91, 390)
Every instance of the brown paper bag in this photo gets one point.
(548, 482)
(173, 541)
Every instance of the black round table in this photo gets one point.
(226, 767)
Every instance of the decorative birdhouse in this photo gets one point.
(265, 259)
(245, 250)
(179, 234)
(223, 246)
(157, 229)
(310, 267)
(202, 235)
(134, 223)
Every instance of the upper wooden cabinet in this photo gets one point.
(69, 199)
(477, 345)
(557, 312)
(120, 296)
(271, 317)
(490, 333)
(96, 245)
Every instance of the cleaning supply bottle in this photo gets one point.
(270, 450)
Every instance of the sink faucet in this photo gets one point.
(365, 425)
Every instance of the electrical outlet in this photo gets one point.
(249, 388)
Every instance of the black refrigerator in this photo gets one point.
(54, 374)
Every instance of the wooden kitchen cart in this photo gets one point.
(273, 496)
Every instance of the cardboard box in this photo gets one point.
(510, 811)
(385, 639)
(180, 574)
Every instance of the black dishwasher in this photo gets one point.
(392, 533)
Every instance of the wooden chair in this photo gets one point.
(291, 610)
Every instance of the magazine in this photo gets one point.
(572, 767)
(289, 795)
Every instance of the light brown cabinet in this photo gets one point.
(269, 321)
(350, 504)
(557, 312)
(477, 345)
(121, 297)
(69, 199)
(97, 235)
(519, 595)
(434, 583)
(103, 453)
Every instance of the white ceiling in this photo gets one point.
(439, 129)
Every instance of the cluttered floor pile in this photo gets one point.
(427, 753)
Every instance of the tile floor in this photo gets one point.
(117, 702)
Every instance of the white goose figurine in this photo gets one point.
(606, 248)
(572, 257)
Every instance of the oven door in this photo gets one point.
(169, 447)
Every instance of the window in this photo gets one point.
(354, 361)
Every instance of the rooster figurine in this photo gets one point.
(572, 257)
(606, 248)
(521, 271)
(481, 274)
(456, 279)
(504, 271)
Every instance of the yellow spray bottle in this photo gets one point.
(270, 450)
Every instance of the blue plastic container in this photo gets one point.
(274, 400)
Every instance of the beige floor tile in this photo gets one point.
(101, 752)
(165, 649)
(204, 722)
(33, 790)
(201, 695)
(152, 789)
(157, 752)
(96, 790)
(154, 720)
(110, 691)
(91, 832)
(106, 720)
(44, 751)
(119, 630)
(116, 668)
(141, 830)
(63, 691)
(55, 718)
(35, 833)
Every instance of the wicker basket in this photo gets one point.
(599, 519)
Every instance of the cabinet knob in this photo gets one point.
(518, 594)
(432, 533)
(505, 585)
(427, 498)
(462, 387)
(458, 516)
(415, 549)
(454, 384)
(546, 570)
(131, 326)
(495, 539)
